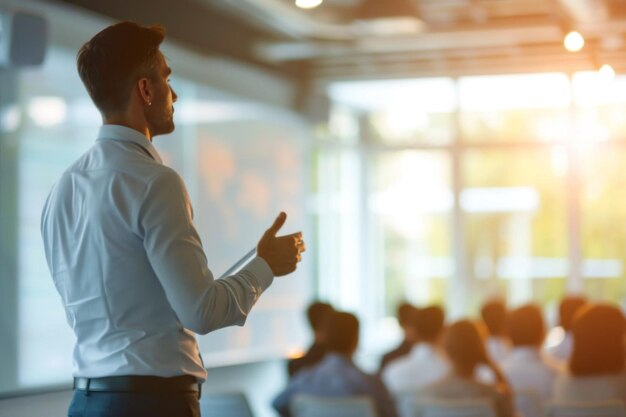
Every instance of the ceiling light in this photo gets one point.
(606, 72)
(574, 41)
(308, 4)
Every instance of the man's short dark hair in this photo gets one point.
(342, 332)
(493, 313)
(429, 323)
(406, 314)
(114, 59)
(526, 326)
(318, 314)
(463, 344)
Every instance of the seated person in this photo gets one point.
(405, 315)
(426, 363)
(524, 367)
(466, 350)
(494, 315)
(568, 307)
(596, 369)
(336, 375)
(318, 314)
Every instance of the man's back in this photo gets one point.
(422, 366)
(335, 376)
(527, 370)
(94, 238)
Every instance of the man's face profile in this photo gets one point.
(160, 114)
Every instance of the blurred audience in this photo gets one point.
(425, 363)
(596, 368)
(336, 375)
(466, 350)
(567, 309)
(406, 318)
(318, 314)
(493, 313)
(524, 366)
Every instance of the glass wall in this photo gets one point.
(476, 187)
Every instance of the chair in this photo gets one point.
(449, 408)
(312, 406)
(599, 409)
(528, 404)
(233, 404)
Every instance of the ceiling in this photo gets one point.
(356, 39)
(362, 39)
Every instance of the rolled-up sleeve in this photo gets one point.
(175, 252)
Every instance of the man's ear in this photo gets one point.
(145, 90)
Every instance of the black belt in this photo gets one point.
(139, 383)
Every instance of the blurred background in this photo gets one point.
(433, 151)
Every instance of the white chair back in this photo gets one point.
(528, 404)
(312, 406)
(599, 409)
(450, 408)
(231, 404)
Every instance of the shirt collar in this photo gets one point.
(126, 134)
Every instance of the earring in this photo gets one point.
(149, 103)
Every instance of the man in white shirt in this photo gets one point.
(525, 367)
(425, 363)
(123, 250)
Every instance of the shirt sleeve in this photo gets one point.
(175, 253)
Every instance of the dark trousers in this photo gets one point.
(133, 404)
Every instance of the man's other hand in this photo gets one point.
(282, 253)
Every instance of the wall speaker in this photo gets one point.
(23, 39)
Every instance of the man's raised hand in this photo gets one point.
(282, 253)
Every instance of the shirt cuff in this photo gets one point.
(261, 271)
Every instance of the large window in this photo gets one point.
(470, 188)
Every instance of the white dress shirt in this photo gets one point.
(423, 366)
(497, 348)
(129, 265)
(527, 370)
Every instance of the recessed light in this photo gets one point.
(308, 4)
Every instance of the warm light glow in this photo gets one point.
(593, 89)
(574, 42)
(607, 72)
(413, 193)
(308, 4)
(519, 91)
(295, 353)
(559, 161)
